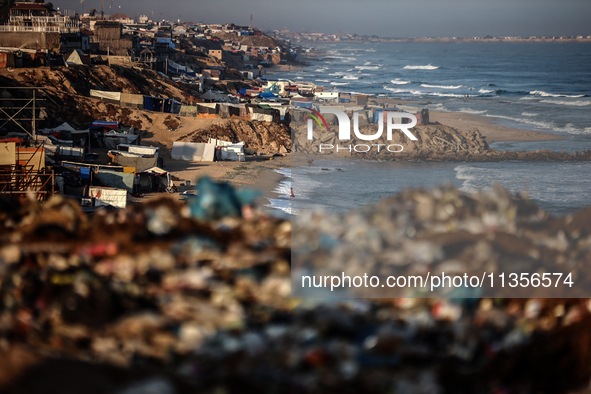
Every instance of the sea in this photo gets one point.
(534, 86)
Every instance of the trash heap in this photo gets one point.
(152, 299)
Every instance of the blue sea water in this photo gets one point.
(536, 86)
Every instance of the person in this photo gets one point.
(291, 193)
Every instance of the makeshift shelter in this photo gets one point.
(138, 162)
(228, 150)
(147, 151)
(77, 58)
(106, 95)
(191, 151)
(109, 195)
(154, 179)
(132, 100)
(99, 125)
(214, 96)
(117, 179)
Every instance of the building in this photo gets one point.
(38, 17)
(217, 53)
(108, 35)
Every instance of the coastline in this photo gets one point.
(488, 128)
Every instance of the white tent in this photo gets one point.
(75, 58)
(191, 151)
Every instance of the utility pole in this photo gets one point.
(103, 9)
(251, 21)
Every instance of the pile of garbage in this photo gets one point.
(164, 297)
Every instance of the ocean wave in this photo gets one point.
(539, 124)
(503, 92)
(528, 114)
(441, 86)
(427, 67)
(485, 91)
(398, 81)
(546, 94)
(339, 83)
(438, 94)
(574, 103)
(397, 90)
(351, 77)
(472, 111)
(367, 67)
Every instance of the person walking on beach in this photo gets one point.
(291, 195)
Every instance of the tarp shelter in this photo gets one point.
(154, 179)
(103, 126)
(120, 180)
(267, 95)
(151, 151)
(228, 150)
(209, 95)
(191, 151)
(115, 96)
(132, 100)
(140, 163)
(161, 104)
(301, 104)
(176, 68)
(77, 58)
(108, 195)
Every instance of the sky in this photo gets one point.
(385, 18)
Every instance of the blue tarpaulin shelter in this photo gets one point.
(102, 125)
(267, 95)
(301, 104)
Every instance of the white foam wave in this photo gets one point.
(339, 83)
(574, 103)
(351, 77)
(441, 86)
(546, 94)
(398, 81)
(472, 111)
(528, 114)
(485, 91)
(367, 67)
(438, 94)
(427, 67)
(397, 90)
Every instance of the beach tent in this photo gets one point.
(154, 179)
(109, 195)
(139, 163)
(117, 179)
(191, 151)
(209, 95)
(77, 58)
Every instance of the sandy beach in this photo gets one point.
(493, 132)
(258, 173)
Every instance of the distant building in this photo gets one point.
(35, 26)
(37, 17)
(108, 35)
(217, 53)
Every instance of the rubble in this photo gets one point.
(152, 299)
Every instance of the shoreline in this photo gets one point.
(488, 128)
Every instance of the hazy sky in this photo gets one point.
(388, 18)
